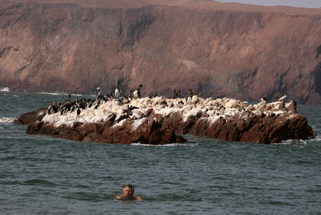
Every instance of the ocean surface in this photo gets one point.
(45, 175)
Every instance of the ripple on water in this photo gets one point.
(39, 182)
(85, 196)
(166, 145)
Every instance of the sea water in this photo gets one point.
(45, 175)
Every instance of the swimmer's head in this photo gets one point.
(128, 191)
(129, 186)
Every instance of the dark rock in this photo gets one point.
(30, 117)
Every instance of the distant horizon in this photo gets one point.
(291, 3)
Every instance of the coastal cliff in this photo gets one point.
(218, 51)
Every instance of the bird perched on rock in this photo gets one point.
(190, 93)
(117, 91)
(130, 96)
(291, 106)
(280, 97)
(189, 97)
(98, 91)
(174, 95)
(179, 94)
(125, 100)
(263, 100)
(136, 93)
(180, 102)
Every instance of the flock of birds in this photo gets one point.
(79, 105)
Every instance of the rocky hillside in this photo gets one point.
(219, 52)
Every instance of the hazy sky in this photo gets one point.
(293, 3)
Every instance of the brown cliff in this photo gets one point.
(218, 49)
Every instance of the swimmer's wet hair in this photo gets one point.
(130, 186)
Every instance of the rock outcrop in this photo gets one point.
(31, 117)
(158, 120)
(230, 51)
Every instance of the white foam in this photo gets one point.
(59, 94)
(299, 142)
(165, 145)
(54, 94)
(6, 120)
(5, 89)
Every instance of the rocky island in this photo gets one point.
(223, 50)
(160, 120)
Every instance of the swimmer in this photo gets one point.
(128, 193)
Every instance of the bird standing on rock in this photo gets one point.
(136, 93)
(174, 95)
(98, 91)
(280, 97)
(263, 100)
(117, 91)
(190, 93)
(179, 94)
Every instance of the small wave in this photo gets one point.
(6, 120)
(85, 196)
(4, 89)
(54, 94)
(170, 144)
(39, 182)
(317, 138)
(59, 94)
(293, 142)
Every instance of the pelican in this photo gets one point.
(280, 97)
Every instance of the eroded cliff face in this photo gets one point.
(244, 55)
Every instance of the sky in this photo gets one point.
(293, 3)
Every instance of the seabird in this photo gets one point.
(125, 100)
(117, 91)
(53, 108)
(280, 97)
(130, 95)
(98, 91)
(190, 93)
(263, 100)
(136, 93)
(174, 95)
(179, 94)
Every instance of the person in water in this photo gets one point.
(128, 193)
